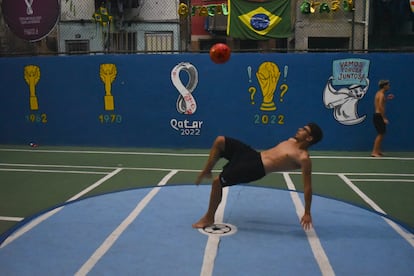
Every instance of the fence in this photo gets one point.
(143, 26)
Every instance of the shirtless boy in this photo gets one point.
(380, 121)
(246, 164)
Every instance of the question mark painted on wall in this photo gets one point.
(284, 89)
(252, 91)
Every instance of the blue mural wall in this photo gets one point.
(185, 100)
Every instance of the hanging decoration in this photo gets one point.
(104, 19)
(204, 10)
(348, 5)
(324, 8)
(102, 16)
(311, 6)
(335, 5)
(305, 7)
(183, 10)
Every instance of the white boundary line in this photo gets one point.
(404, 234)
(187, 170)
(187, 154)
(210, 252)
(11, 218)
(379, 174)
(316, 246)
(361, 157)
(113, 237)
(355, 174)
(50, 171)
(380, 180)
(47, 215)
(96, 167)
(108, 152)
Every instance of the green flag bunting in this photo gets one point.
(259, 20)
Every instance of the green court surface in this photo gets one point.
(34, 180)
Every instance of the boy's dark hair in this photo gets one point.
(383, 83)
(316, 133)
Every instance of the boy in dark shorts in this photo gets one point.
(380, 121)
(246, 164)
(379, 124)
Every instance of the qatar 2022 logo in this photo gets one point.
(186, 103)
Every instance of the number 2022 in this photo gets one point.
(266, 119)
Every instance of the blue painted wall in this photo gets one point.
(72, 111)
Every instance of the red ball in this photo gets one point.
(220, 53)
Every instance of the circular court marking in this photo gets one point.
(153, 236)
(219, 229)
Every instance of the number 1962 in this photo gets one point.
(265, 119)
(37, 118)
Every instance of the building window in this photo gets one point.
(159, 42)
(122, 41)
(77, 46)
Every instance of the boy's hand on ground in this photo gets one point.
(306, 222)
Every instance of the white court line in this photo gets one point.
(47, 215)
(113, 237)
(378, 174)
(55, 166)
(50, 171)
(354, 174)
(363, 158)
(210, 252)
(98, 167)
(380, 180)
(316, 246)
(192, 170)
(187, 154)
(109, 152)
(407, 236)
(11, 218)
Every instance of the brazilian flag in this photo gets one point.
(259, 19)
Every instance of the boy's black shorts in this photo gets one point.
(245, 164)
(379, 123)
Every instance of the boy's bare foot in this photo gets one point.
(376, 154)
(203, 222)
(203, 175)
